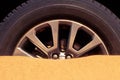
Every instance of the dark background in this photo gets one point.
(7, 6)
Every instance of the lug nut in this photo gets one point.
(55, 56)
(68, 56)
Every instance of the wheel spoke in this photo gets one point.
(20, 52)
(91, 45)
(73, 32)
(33, 38)
(54, 26)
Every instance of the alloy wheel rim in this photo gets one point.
(60, 39)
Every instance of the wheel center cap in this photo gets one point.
(62, 55)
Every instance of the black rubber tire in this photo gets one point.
(89, 12)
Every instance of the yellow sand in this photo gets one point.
(87, 68)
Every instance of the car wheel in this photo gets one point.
(64, 29)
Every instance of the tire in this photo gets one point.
(97, 19)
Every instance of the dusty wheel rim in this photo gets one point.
(60, 39)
